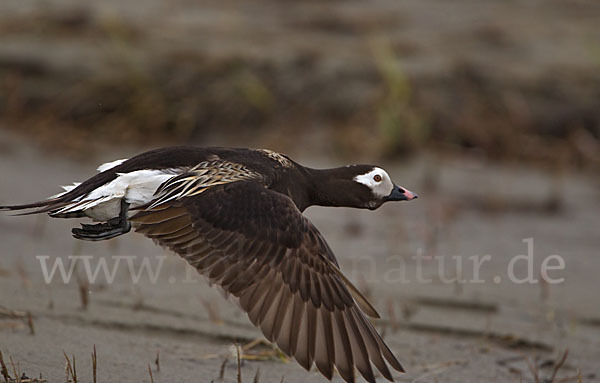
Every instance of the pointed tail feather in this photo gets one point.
(36, 207)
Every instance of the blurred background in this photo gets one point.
(489, 110)
(515, 80)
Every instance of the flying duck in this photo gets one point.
(236, 216)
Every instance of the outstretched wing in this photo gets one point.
(257, 245)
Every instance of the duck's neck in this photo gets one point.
(327, 187)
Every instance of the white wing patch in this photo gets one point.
(137, 188)
(110, 165)
(100, 169)
(382, 188)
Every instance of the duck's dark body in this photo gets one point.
(188, 157)
(305, 186)
(235, 215)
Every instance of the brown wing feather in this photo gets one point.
(257, 245)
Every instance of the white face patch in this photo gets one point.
(378, 181)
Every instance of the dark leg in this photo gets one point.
(106, 230)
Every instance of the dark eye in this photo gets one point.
(377, 178)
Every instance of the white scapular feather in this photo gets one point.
(110, 165)
(137, 188)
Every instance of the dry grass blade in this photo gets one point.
(212, 309)
(222, 370)
(17, 373)
(13, 325)
(257, 376)
(83, 288)
(150, 372)
(30, 323)
(534, 370)
(239, 364)
(70, 369)
(50, 305)
(558, 365)
(74, 370)
(272, 353)
(12, 314)
(4, 370)
(94, 364)
(570, 379)
(393, 320)
(23, 274)
(544, 288)
(157, 361)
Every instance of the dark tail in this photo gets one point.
(52, 205)
(46, 206)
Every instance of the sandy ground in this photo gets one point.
(442, 332)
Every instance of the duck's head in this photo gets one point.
(358, 186)
(375, 187)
